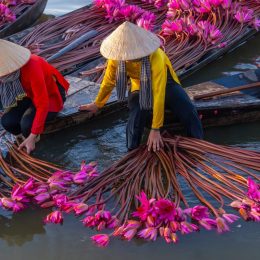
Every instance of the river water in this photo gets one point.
(24, 237)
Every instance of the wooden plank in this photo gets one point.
(218, 111)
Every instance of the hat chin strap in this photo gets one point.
(145, 97)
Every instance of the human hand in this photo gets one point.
(28, 143)
(92, 108)
(155, 141)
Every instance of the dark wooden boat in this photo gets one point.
(221, 110)
(25, 20)
(209, 57)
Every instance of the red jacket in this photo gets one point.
(38, 81)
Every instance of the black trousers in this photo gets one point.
(19, 119)
(176, 100)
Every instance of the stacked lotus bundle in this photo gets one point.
(189, 29)
(145, 194)
(10, 9)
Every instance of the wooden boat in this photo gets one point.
(210, 56)
(221, 110)
(25, 20)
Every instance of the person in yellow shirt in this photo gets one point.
(134, 57)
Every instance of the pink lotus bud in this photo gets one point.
(129, 235)
(230, 217)
(101, 225)
(47, 204)
(236, 204)
(80, 208)
(89, 221)
(167, 235)
(18, 206)
(7, 203)
(149, 233)
(208, 223)
(60, 199)
(42, 197)
(54, 217)
(112, 223)
(101, 240)
(29, 184)
(221, 225)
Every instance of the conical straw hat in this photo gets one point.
(12, 57)
(129, 42)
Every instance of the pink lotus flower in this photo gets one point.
(146, 21)
(173, 4)
(29, 185)
(57, 186)
(165, 209)
(18, 206)
(236, 204)
(80, 208)
(103, 215)
(119, 231)
(101, 240)
(132, 224)
(187, 228)
(214, 33)
(101, 225)
(131, 12)
(167, 235)
(160, 3)
(129, 235)
(255, 213)
(8, 2)
(89, 221)
(208, 223)
(112, 223)
(54, 217)
(144, 209)
(199, 212)
(18, 194)
(7, 203)
(149, 233)
(171, 27)
(226, 4)
(67, 207)
(256, 24)
(230, 217)
(42, 197)
(215, 3)
(6, 14)
(60, 199)
(204, 7)
(175, 226)
(185, 5)
(244, 15)
(47, 204)
(221, 225)
(253, 190)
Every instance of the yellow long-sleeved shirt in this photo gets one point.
(159, 65)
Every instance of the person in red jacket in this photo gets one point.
(31, 91)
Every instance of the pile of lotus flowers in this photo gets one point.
(188, 29)
(154, 183)
(10, 9)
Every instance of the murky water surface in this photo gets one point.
(24, 237)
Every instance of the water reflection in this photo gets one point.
(17, 229)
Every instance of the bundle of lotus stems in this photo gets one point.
(11, 9)
(189, 29)
(145, 194)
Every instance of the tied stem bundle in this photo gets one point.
(145, 194)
